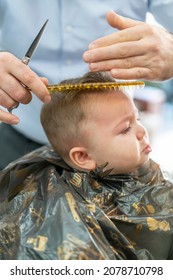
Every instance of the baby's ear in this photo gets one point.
(79, 156)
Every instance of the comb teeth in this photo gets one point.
(94, 86)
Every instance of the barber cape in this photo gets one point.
(50, 211)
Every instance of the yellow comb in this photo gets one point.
(94, 86)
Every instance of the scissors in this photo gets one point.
(29, 54)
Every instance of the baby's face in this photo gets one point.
(115, 133)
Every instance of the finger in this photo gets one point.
(138, 73)
(120, 50)
(27, 97)
(124, 63)
(25, 75)
(121, 22)
(8, 118)
(131, 33)
(126, 35)
(14, 89)
(6, 101)
(33, 82)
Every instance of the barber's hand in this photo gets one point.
(138, 51)
(14, 73)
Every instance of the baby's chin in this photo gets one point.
(145, 162)
(115, 170)
(131, 169)
(145, 165)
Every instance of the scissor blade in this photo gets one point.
(34, 44)
(29, 54)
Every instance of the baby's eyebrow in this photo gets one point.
(128, 117)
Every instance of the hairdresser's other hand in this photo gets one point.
(138, 51)
(14, 73)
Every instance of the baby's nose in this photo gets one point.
(141, 132)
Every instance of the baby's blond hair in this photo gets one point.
(63, 117)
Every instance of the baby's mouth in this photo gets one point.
(147, 149)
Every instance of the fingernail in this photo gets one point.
(93, 66)
(15, 121)
(92, 46)
(47, 99)
(87, 56)
(114, 72)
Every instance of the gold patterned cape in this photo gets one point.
(50, 211)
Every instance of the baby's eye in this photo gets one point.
(126, 130)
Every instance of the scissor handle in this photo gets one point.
(25, 60)
(14, 107)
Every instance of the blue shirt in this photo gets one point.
(72, 25)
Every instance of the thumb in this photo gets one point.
(120, 22)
